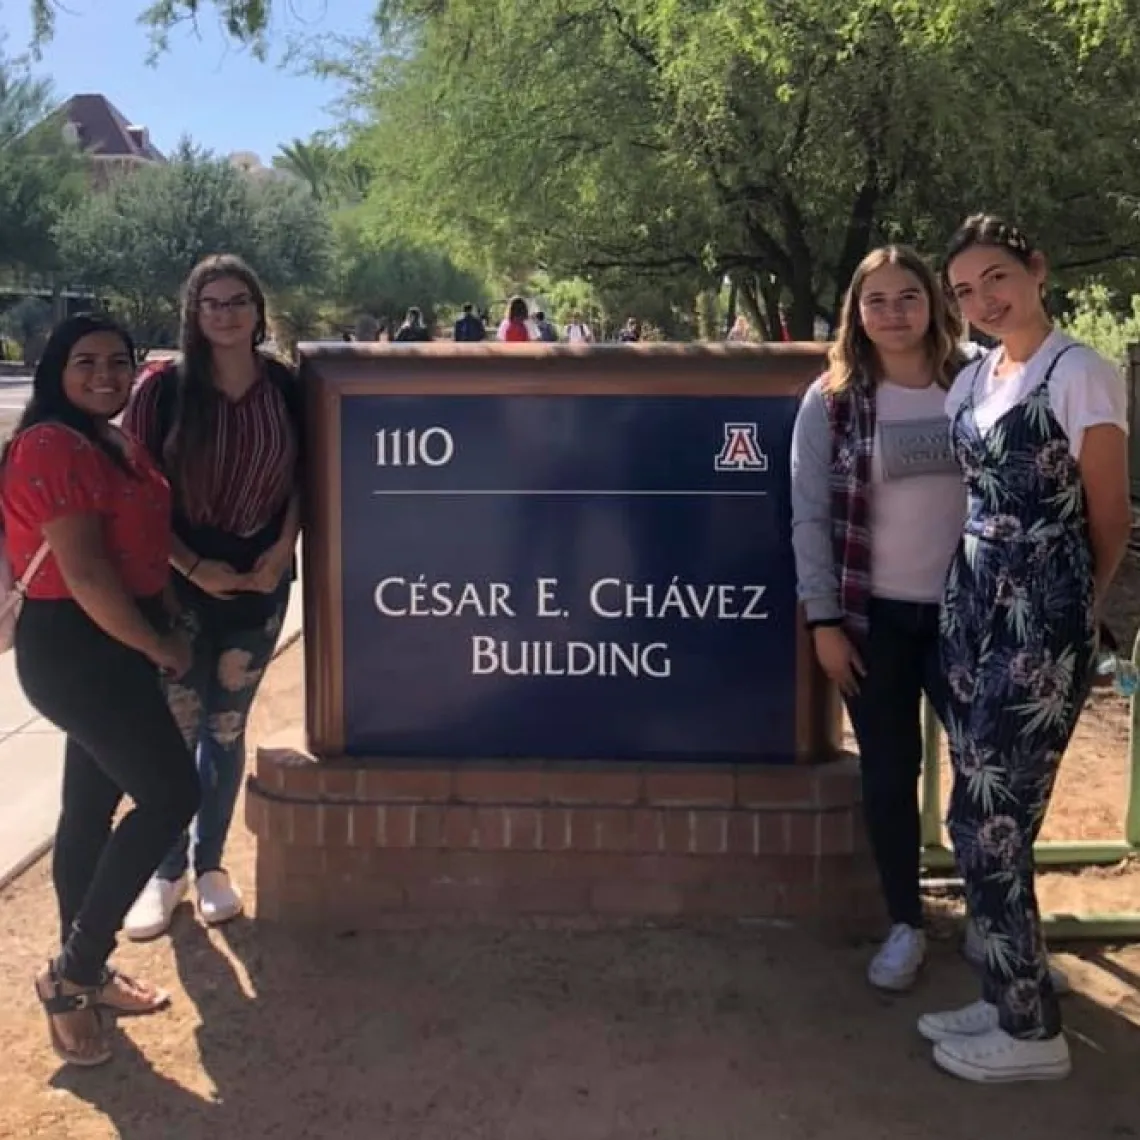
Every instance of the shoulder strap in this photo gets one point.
(37, 561)
(1053, 365)
(166, 401)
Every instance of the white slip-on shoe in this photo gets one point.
(899, 959)
(218, 899)
(974, 951)
(152, 911)
(974, 1020)
(998, 1058)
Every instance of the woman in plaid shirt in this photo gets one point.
(878, 504)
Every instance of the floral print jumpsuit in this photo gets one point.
(1017, 642)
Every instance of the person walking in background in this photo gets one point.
(577, 331)
(413, 329)
(740, 333)
(225, 423)
(877, 508)
(546, 330)
(87, 529)
(1039, 427)
(516, 327)
(469, 328)
(631, 334)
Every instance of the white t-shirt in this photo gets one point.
(918, 503)
(577, 333)
(1084, 390)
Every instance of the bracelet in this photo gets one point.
(190, 572)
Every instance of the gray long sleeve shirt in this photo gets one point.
(817, 582)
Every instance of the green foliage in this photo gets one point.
(27, 322)
(385, 275)
(138, 240)
(40, 173)
(1100, 320)
(773, 143)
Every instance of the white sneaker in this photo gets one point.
(899, 959)
(154, 908)
(997, 1058)
(218, 899)
(974, 951)
(975, 1020)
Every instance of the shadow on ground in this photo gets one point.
(763, 1034)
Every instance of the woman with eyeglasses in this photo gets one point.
(224, 423)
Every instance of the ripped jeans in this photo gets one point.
(211, 706)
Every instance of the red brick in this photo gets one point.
(694, 786)
(677, 831)
(342, 783)
(743, 833)
(561, 896)
(786, 786)
(839, 783)
(523, 828)
(556, 828)
(458, 827)
(647, 830)
(362, 825)
(304, 832)
(600, 829)
(332, 825)
(255, 812)
(803, 836)
(300, 781)
(407, 784)
(775, 832)
(280, 822)
(602, 786)
(345, 862)
(396, 825)
(671, 868)
(270, 765)
(427, 821)
(637, 897)
(836, 833)
(499, 785)
(734, 898)
(490, 828)
(709, 832)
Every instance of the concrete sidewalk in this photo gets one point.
(31, 764)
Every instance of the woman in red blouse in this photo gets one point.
(223, 423)
(93, 636)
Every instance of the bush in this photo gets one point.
(1100, 321)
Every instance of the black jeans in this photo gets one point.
(901, 657)
(121, 740)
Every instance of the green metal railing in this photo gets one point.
(936, 856)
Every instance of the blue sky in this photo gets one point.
(204, 86)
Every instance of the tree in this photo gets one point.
(138, 240)
(384, 276)
(40, 173)
(334, 175)
(770, 143)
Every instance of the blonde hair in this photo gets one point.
(852, 358)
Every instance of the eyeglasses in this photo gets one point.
(212, 307)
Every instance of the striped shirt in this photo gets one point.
(255, 452)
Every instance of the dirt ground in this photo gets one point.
(759, 1032)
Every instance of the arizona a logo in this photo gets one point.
(740, 450)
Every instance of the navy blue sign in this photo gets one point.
(589, 577)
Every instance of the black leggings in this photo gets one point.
(121, 740)
(902, 663)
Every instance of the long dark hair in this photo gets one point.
(188, 451)
(49, 402)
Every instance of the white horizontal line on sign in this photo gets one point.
(508, 493)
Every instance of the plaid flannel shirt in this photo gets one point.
(851, 413)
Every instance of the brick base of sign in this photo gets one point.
(364, 845)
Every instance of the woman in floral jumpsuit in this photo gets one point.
(1039, 430)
